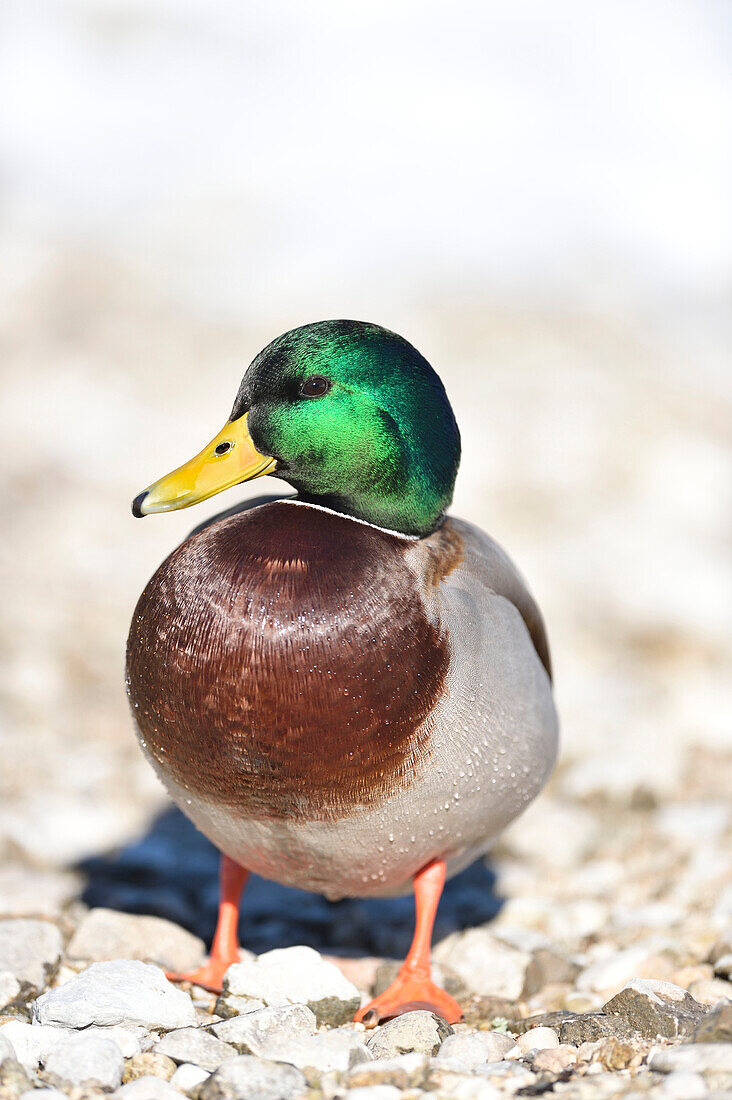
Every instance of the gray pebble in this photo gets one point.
(405, 1071)
(120, 992)
(295, 975)
(487, 965)
(468, 1048)
(497, 1044)
(105, 934)
(86, 1060)
(693, 1058)
(331, 1051)
(251, 1032)
(30, 950)
(423, 1032)
(716, 1027)
(253, 1078)
(656, 1009)
(191, 1044)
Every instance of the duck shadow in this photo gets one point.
(172, 872)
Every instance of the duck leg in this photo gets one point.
(225, 946)
(414, 988)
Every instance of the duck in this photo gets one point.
(347, 690)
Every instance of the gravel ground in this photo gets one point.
(602, 464)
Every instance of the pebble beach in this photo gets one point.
(536, 197)
(591, 951)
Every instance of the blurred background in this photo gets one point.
(536, 195)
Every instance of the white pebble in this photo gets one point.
(188, 1076)
(86, 1060)
(538, 1038)
(120, 992)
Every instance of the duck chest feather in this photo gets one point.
(282, 663)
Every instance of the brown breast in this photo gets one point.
(281, 663)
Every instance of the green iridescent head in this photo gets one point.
(350, 414)
(357, 420)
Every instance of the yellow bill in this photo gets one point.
(227, 460)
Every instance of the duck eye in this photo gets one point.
(222, 448)
(315, 386)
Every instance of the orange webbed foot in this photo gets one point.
(210, 976)
(409, 994)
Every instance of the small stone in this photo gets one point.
(120, 992)
(497, 1044)
(295, 975)
(684, 1086)
(253, 1078)
(656, 1009)
(374, 1092)
(32, 1044)
(105, 934)
(716, 1027)
(548, 968)
(711, 991)
(9, 988)
(130, 1040)
(187, 1076)
(693, 1058)
(148, 1064)
(251, 1033)
(404, 1072)
(722, 967)
(482, 1011)
(337, 1050)
(613, 1054)
(191, 1044)
(423, 1032)
(148, 1088)
(555, 1060)
(487, 965)
(538, 1038)
(30, 950)
(86, 1060)
(592, 1026)
(228, 1006)
(542, 1019)
(470, 1049)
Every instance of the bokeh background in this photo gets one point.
(536, 195)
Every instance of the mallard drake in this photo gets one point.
(345, 690)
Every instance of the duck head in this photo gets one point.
(350, 414)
